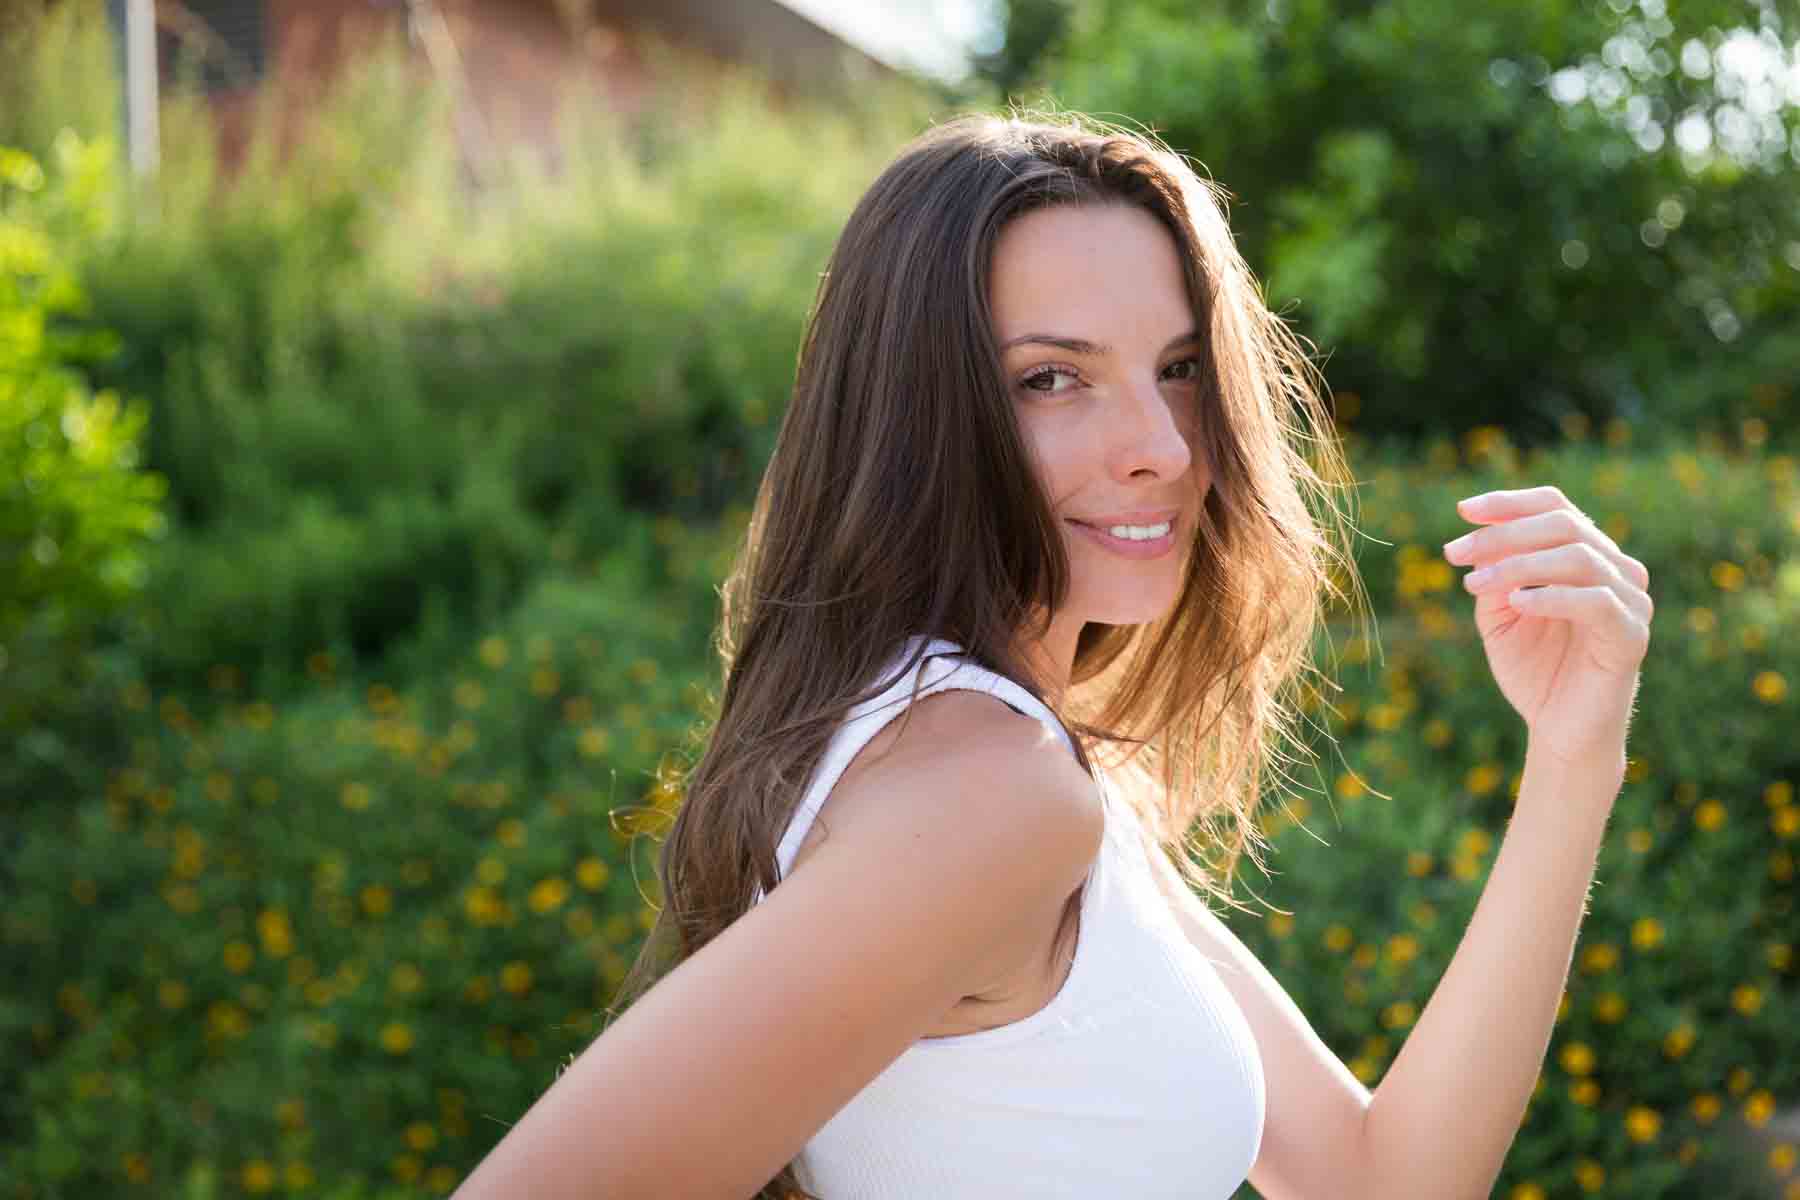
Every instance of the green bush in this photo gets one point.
(428, 388)
(346, 937)
(76, 510)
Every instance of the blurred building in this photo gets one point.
(512, 61)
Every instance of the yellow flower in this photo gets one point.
(1738, 1081)
(1601, 956)
(1782, 1156)
(511, 833)
(1705, 1107)
(1402, 948)
(1747, 999)
(377, 899)
(1365, 1069)
(258, 1176)
(591, 874)
(1769, 687)
(441, 1179)
(1643, 1124)
(1338, 938)
(1759, 1107)
(1364, 956)
(1639, 840)
(1785, 821)
(1476, 842)
(548, 895)
(1710, 815)
(1585, 1092)
(406, 1167)
(396, 1038)
(494, 652)
(276, 933)
(356, 796)
(1778, 955)
(1526, 1191)
(1418, 863)
(406, 979)
(490, 871)
(238, 957)
(1281, 924)
(1678, 1041)
(1646, 933)
(515, 977)
(1590, 1175)
(1778, 794)
(1399, 1014)
(421, 1136)
(1609, 1008)
(1482, 779)
(1577, 1058)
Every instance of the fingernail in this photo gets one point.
(1459, 546)
(1479, 576)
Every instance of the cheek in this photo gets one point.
(1057, 454)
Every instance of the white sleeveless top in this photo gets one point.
(1140, 1078)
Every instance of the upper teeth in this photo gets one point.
(1138, 533)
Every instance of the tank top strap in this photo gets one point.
(942, 667)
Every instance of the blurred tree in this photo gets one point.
(75, 507)
(1511, 214)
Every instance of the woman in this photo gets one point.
(1037, 493)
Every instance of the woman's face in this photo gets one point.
(1103, 364)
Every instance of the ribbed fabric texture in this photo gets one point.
(1140, 1078)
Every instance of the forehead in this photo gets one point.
(1108, 272)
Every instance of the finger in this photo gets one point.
(1597, 608)
(1573, 564)
(1507, 505)
(1564, 523)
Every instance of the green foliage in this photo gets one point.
(1485, 216)
(355, 929)
(76, 512)
(376, 392)
(57, 72)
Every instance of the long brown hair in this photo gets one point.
(901, 500)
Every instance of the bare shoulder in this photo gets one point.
(966, 760)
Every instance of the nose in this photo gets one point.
(1146, 436)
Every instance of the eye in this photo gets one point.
(1043, 379)
(1193, 373)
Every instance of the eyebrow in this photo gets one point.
(1083, 346)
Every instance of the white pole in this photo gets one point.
(142, 134)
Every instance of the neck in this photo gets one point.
(1052, 658)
